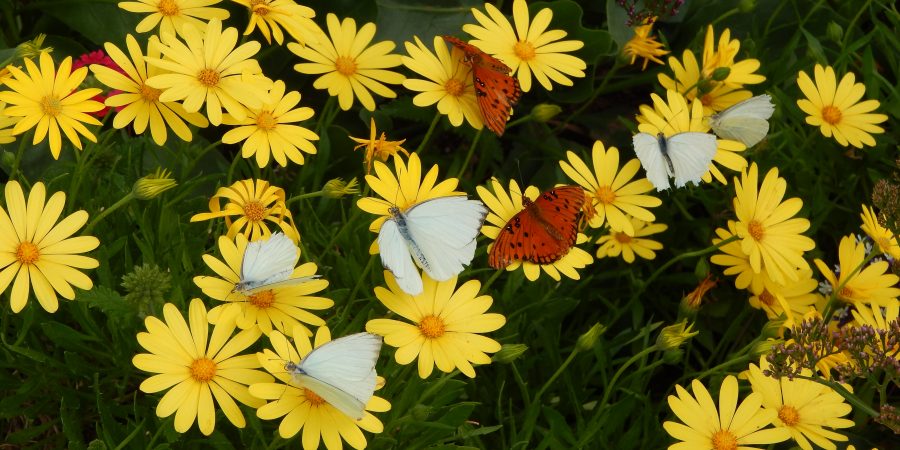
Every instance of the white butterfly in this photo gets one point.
(268, 263)
(438, 234)
(342, 372)
(683, 156)
(746, 121)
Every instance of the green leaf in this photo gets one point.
(617, 22)
(100, 22)
(400, 20)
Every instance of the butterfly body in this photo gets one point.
(268, 263)
(342, 372)
(684, 156)
(495, 90)
(543, 231)
(437, 235)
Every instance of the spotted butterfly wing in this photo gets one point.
(495, 90)
(543, 232)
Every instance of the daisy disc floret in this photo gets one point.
(620, 243)
(273, 15)
(172, 15)
(444, 328)
(349, 67)
(37, 252)
(528, 48)
(208, 68)
(196, 368)
(249, 204)
(46, 99)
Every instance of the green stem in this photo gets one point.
(534, 407)
(326, 116)
(487, 284)
(680, 257)
(520, 121)
(356, 287)
(127, 198)
(726, 15)
(612, 382)
(190, 167)
(434, 122)
(299, 197)
(462, 169)
(13, 171)
(609, 75)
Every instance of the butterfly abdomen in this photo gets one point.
(661, 138)
(400, 220)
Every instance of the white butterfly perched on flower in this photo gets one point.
(683, 156)
(342, 372)
(268, 263)
(747, 121)
(438, 234)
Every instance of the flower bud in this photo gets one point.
(509, 353)
(834, 32)
(587, 340)
(8, 158)
(773, 329)
(691, 302)
(337, 188)
(746, 6)
(674, 336)
(146, 288)
(545, 111)
(721, 73)
(764, 348)
(32, 48)
(152, 185)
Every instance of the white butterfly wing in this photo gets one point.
(690, 153)
(342, 372)
(646, 146)
(278, 284)
(444, 231)
(747, 121)
(267, 261)
(395, 256)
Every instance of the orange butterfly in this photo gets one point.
(542, 232)
(496, 91)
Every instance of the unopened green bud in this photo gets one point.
(765, 347)
(146, 287)
(32, 48)
(746, 6)
(337, 188)
(545, 111)
(152, 185)
(587, 340)
(834, 31)
(8, 158)
(673, 356)
(721, 73)
(509, 353)
(674, 336)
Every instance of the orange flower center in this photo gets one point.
(203, 369)
(262, 300)
(266, 121)
(345, 65)
(431, 327)
(766, 298)
(831, 115)
(524, 50)
(51, 105)
(622, 237)
(259, 7)
(168, 7)
(313, 398)
(606, 195)
(846, 293)
(789, 415)
(454, 87)
(756, 230)
(883, 243)
(150, 94)
(27, 253)
(254, 211)
(724, 440)
(208, 77)
(706, 99)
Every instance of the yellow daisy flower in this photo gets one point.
(349, 66)
(46, 99)
(209, 69)
(621, 243)
(769, 232)
(254, 202)
(879, 318)
(446, 325)
(303, 408)
(449, 82)
(277, 14)
(378, 148)
(268, 129)
(6, 125)
(808, 410)
(719, 83)
(407, 188)
(173, 15)
(675, 116)
(642, 45)
(836, 108)
(529, 49)
(613, 195)
(503, 206)
(282, 308)
(873, 284)
(737, 262)
(792, 300)
(140, 102)
(729, 426)
(196, 367)
(39, 252)
(884, 238)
